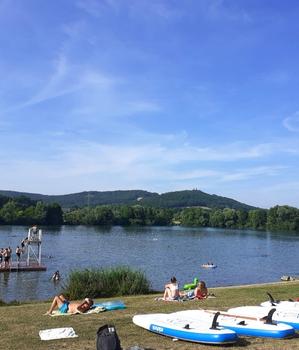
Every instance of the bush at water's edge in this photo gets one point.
(98, 283)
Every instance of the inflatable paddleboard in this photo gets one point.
(284, 304)
(244, 325)
(179, 325)
(289, 317)
(281, 304)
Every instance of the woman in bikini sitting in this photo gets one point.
(200, 292)
(65, 306)
(171, 290)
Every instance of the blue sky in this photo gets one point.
(154, 95)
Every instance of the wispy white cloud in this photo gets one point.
(96, 8)
(143, 106)
(221, 10)
(138, 8)
(67, 79)
(277, 77)
(292, 122)
(225, 153)
(254, 172)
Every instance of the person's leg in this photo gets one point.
(57, 302)
(167, 294)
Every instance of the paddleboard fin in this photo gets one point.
(269, 317)
(273, 302)
(214, 322)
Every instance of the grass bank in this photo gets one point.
(20, 324)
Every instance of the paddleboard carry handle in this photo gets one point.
(214, 322)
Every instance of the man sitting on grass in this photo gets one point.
(65, 306)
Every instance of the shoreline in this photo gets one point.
(258, 284)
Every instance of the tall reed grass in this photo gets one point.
(98, 283)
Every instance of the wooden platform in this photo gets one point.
(18, 267)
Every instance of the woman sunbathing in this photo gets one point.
(65, 306)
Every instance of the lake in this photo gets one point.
(241, 256)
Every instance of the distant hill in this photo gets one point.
(177, 199)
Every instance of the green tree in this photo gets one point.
(217, 218)
(9, 212)
(230, 217)
(257, 219)
(54, 215)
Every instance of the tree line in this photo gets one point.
(24, 211)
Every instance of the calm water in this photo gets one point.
(241, 256)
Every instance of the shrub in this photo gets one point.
(98, 283)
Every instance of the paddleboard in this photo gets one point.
(179, 325)
(281, 304)
(288, 316)
(284, 304)
(246, 326)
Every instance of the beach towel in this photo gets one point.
(171, 300)
(110, 305)
(57, 333)
(94, 310)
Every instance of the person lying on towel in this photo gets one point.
(65, 306)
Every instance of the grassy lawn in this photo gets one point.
(19, 325)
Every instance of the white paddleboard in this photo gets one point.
(281, 304)
(181, 326)
(247, 326)
(288, 316)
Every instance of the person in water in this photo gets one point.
(65, 306)
(56, 276)
(171, 290)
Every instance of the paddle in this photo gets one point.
(267, 318)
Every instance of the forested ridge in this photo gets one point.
(177, 199)
(25, 211)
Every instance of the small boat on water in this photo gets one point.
(209, 266)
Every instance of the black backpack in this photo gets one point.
(107, 338)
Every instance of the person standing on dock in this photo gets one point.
(1, 256)
(7, 254)
(18, 253)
